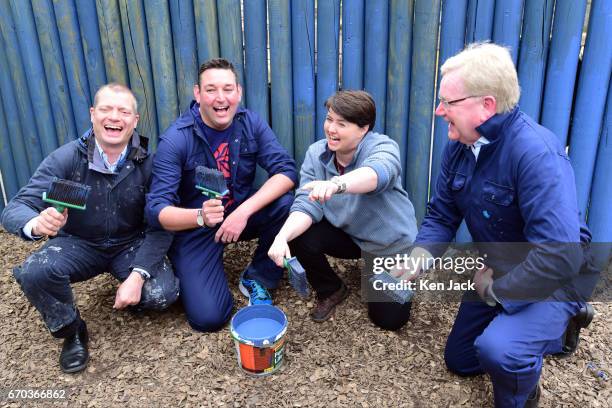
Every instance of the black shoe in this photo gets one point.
(74, 355)
(534, 398)
(572, 334)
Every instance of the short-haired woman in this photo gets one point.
(350, 200)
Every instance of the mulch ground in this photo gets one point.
(156, 360)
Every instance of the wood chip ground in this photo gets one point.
(157, 360)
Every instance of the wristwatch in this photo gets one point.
(339, 183)
(200, 218)
(145, 275)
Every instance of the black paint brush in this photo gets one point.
(211, 182)
(66, 193)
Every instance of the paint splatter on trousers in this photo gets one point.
(46, 275)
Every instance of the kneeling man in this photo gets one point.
(512, 182)
(108, 235)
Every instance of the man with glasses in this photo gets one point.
(512, 182)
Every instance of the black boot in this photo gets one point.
(572, 334)
(74, 355)
(534, 397)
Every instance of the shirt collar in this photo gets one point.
(111, 167)
(475, 148)
(197, 117)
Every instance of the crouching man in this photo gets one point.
(109, 235)
(217, 134)
(512, 182)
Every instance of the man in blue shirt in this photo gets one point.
(217, 133)
(512, 182)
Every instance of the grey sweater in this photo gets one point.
(381, 222)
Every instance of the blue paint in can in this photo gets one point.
(259, 332)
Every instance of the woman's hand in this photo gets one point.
(321, 190)
(279, 250)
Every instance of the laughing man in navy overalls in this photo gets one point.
(216, 133)
(512, 182)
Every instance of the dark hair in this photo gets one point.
(217, 63)
(357, 107)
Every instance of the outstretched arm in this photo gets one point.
(359, 181)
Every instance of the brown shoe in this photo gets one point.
(324, 308)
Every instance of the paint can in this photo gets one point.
(258, 332)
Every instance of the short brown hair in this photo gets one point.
(217, 63)
(357, 107)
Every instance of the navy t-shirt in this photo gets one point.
(219, 144)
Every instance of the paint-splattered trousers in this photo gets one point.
(46, 275)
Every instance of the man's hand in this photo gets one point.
(129, 291)
(212, 212)
(320, 190)
(402, 273)
(482, 280)
(419, 261)
(279, 250)
(232, 227)
(49, 222)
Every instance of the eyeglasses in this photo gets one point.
(448, 104)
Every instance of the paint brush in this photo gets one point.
(66, 193)
(397, 294)
(297, 276)
(211, 182)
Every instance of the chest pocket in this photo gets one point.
(247, 161)
(457, 182)
(248, 148)
(497, 194)
(196, 159)
(188, 177)
(500, 213)
(190, 164)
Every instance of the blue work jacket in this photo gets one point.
(520, 190)
(183, 147)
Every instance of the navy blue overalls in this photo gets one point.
(520, 189)
(197, 258)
